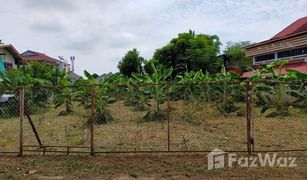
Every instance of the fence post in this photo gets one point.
(92, 119)
(168, 117)
(249, 117)
(21, 116)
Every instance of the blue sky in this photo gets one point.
(100, 32)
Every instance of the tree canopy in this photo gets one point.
(131, 62)
(51, 73)
(235, 54)
(190, 51)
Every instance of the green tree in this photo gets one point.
(235, 54)
(131, 62)
(190, 51)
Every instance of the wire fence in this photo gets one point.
(280, 121)
(9, 121)
(132, 118)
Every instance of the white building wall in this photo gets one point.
(8, 57)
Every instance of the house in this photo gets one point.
(9, 58)
(290, 44)
(30, 56)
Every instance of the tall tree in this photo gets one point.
(235, 54)
(131, 62)
(190, 51)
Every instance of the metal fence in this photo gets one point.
(139, 118)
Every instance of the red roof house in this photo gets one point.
(298, 26)
(290, 44)
(40, 57)
(36, 56)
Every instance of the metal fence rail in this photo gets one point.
(154, 118)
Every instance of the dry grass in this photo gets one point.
(9, 133)
(288, 132)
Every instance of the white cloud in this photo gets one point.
(99, 32)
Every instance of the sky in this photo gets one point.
(99, 32)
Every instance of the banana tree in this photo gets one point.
(103, 91)
(299, 91)
(272, 93)
(8, 85)
(227, 90)
(63, 96)
(107, 93)
(156, 87)
(37, 97)
(197, 83)
(137, 95)
(194, 89)
(17, 77)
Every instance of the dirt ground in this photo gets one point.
(142, 166)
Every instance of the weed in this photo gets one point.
(134, 172)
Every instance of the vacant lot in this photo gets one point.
(193, 127)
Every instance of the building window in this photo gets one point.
(8, 66)
(293, 52)
(265, 57)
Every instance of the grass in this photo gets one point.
(173, 166)
(193, 127)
